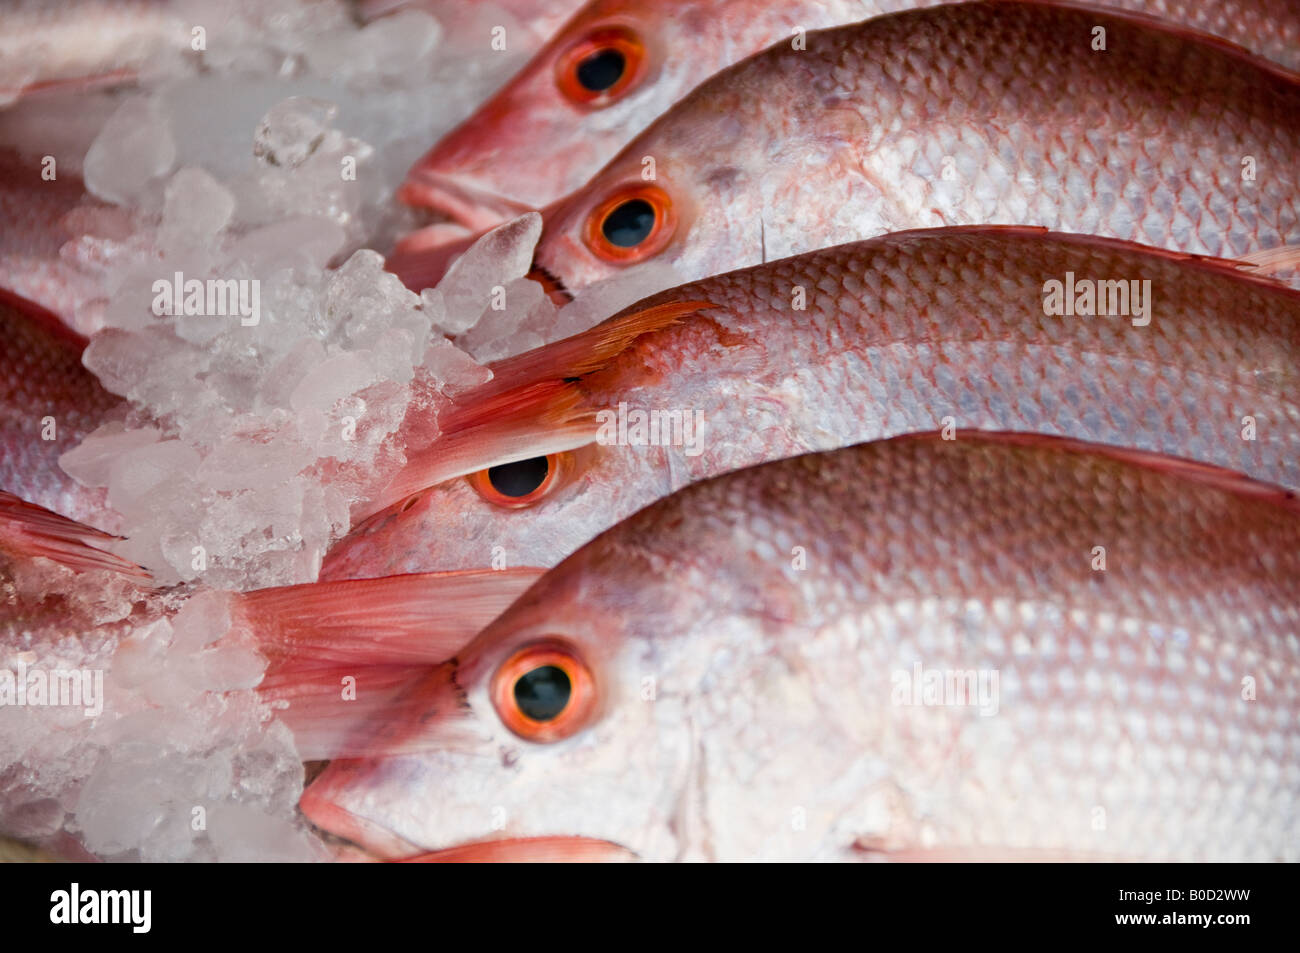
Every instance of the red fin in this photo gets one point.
(343, 654)
(1207, 474)
(33, 531)
(423, 618)
(529, 850)
(368, 711)
(81, 84)
(1282, 259)
(327, 708)
(1255, 268)
(530, 408)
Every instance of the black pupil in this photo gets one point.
(520, 478)
(601, 70)
(629, 224)
(543, 693)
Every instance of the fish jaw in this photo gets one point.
(462, 199)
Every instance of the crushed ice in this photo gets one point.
(250, 434)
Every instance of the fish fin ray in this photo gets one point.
(30, 530)
(417, 619)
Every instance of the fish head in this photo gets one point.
(534, 511)
(529, 466)
(581, 98)
(556, 720)
(694, 189)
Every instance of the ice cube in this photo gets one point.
(292, 130)
(451, 370)
(475, 281)
(203, 619)
(196, 209)
(133, 149)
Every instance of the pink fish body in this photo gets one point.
(962, 114)
(992, 647)
(616, 65)
(927, 330)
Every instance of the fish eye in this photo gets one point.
(521, 483)
(631, 225)
(601, 70)
(544, 691)
(601, 67)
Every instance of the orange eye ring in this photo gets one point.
(495, 484)
(601, 67)
(597, 233)
(534, 677)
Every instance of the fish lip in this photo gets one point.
(463, 202)
(374, 839)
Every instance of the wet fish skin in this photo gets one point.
(898, 334)
(775, 727)
(532, 144)
(852, 137)
(41, 218)
(48, 403)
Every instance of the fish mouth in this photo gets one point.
(551, 283)
(566, 848)
(381, 844)
(463, 202)
(320, 808)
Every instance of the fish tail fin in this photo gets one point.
(28, 530)
(1281, 264)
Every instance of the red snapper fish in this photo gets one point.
(618, 64)
(976, 113)
(48, 403)
(979, 327)
(996, 647)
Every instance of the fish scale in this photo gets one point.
(898, 334)
(530, 145)
(988, 112)
(1121, 725)
(41, 376)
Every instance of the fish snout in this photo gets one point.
(465, 200)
